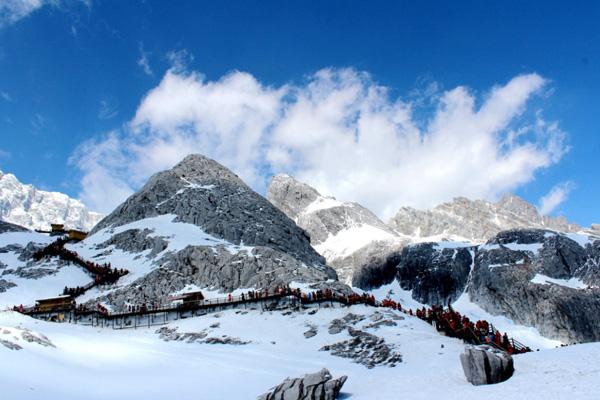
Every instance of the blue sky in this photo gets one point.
(74, 75)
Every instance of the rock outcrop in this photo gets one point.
(535, 277)
(484, 365)
(319, 385)
(9, 227)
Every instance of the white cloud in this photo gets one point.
(555, 197)
(109, 108)
(5, 96)
(339, 131)
(12, 11)
(143, 62)
(179, 60)
(102, 162)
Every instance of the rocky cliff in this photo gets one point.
(543, 279)
(535, 277)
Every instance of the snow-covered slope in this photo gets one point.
(76, 362)
(36, 209)
(22, 280)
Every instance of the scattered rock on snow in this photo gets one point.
(338, 325)
(226, 340)
(366, 349)
(10, 345)
(5, 285)
(170, 334)
(312, 331)
(380, 323)
(320, 385)
(484, 365)
(40, 339)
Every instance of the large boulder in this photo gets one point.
(317, 386)
(484, 365)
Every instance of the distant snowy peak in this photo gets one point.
(476, 220)
(29, 207)
(342, 232)
(323, 217)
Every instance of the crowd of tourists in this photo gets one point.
(453, 324)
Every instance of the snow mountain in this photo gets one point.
(199, 226)
(36, 209)
(346, 234)
(475, 220)
(503, 258)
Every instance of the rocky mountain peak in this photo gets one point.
(202, 192)
(346, 234)
(200, 169)
(290, 195)
(476, 220)
(517, 205)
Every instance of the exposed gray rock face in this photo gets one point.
(477, 220)
(368, 267)
(291, 196)
(271, 249)
(326, 219)
(8, 227)
(217, 268)
(436, 275)
(317, 386)
(202, 192)
(501, 283)
(484, 365)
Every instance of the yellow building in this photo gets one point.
(77, 235)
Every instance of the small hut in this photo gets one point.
(188, 300)
(192, 298)
(77, 235)
(54, 303)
